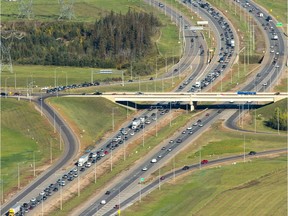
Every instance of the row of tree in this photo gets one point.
(278, 119)
(112, 41)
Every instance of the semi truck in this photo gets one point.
(135, 123)
(14, 210)
(83, 159)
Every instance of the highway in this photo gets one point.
(183, 66)
(264, 74)
(168, 176)
(71, 143)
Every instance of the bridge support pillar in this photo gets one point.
(193, 105)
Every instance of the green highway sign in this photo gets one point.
(142, 179)
(279, 24)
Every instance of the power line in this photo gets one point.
(25, 9)
(66, 10)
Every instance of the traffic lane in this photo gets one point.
(191, 168)
(138, 172)
(71, 147)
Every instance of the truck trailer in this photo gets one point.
(136, 123)
(14, 210)
(83, 159)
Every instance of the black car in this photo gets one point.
(185, 168)
(107, 192)
(252, 153)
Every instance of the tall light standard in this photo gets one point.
(60, 137)
(113, 121)
(34, 168)
(55, 75)
(2, 190)
(61, 195)
(6, 93)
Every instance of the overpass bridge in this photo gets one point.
(191, 98)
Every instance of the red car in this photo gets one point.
(106, 152)
(207, 114)
(204, 161)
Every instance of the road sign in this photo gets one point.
(279, 24)
(106, 71)
(194, 28)
(142, 179)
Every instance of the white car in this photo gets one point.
(189, 128)
(132, 133)
(88, 164)
(144, 169)
(154, 160)
(103, 202)
(42, 193)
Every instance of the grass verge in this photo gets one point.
(136, 151)
(90, 118)
(261, 116)
(255, 188)
(219, 142)
(25, 137)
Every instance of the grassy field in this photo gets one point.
(278, 8)
(24, 135)
(282, 85)
(166, 42)
(218, 142)
(136, 151)
(90, 118)
(262, 115)
(254, 188)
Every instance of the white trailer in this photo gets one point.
(14, 210)
(135, 124)
(232, 43)
(83, 159)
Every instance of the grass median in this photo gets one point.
(219, 142)
(253, 188)
(134, 152)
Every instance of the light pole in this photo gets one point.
(42, 195)
(55, 72)
(34, 169)
(61, 194)
(113, 121)
(6, 87)
(60, 137)
(2, 190)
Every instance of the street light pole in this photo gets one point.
(113, 124)
(6, 87)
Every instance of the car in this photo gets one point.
(231, 101)
(107, 193)
(189, 128)
(204, 161)
(154, 160)
(200, 125)
(179, 140)
(264, 84)
(42, 193)
(199, 120)
(207, 114)
(159, 156)
(162, 178)
(183, 132)
(88, 164)
(163, 148)
(195, 124)
(62, 183)
(277, 93)
(252, 153)
(103, 202)
(75, 175)
(75, 169)
(190, 132)
(33, 200)
(185, 168)
(171, 141)
(55, 189)
(170, 149)
(116, 207)
(132, 133)
(144, 169)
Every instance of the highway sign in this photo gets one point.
(279, 24)
(106, 71)
(196, 28)
(142, 179)
(202, 22)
